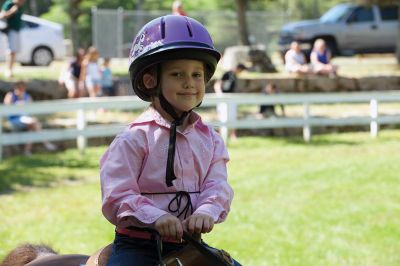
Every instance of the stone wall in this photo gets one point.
(313, 83)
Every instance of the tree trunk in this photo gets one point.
(241, 14)
(33, 7)
(398, 35)
(74, 13)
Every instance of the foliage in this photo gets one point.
(332, 202)
(60, 10)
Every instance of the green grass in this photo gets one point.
(334, 201)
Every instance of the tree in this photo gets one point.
(241, 8)
(74, 13)
(398, 35)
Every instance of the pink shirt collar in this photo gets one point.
(152, 114)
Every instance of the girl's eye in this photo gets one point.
(177, 74)
(198, 75)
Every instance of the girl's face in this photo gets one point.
(183, 83)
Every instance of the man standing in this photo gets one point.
(12, 11)
(228, 84)
(177, 8)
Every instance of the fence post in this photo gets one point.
(373, 111)
(81, 140)
(222, 112)
(120, 32)
(306, 125)
(94, 27)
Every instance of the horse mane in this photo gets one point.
(26, 253)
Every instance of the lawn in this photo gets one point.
(334, 201)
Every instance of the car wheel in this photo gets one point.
(42, 56)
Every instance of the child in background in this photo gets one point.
(107, 84)
(167, 169)
(90, 75)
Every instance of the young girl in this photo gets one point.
(90, 75)
(167, 170)
(320, 59)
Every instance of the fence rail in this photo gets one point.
(82, 131)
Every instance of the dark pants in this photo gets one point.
(129, 251)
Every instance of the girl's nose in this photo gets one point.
(189, 82)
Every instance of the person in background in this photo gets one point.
(320, 59)
(228, 84)
(268, 110)
(107, 84)
(70, 76)
(295, 60)
(90, 76)
(12, 11)
(19, 96)
(177, 8)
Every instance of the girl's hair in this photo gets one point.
(92, 53)
(169, 38)
(80, 53)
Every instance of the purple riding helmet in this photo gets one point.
(169, 38)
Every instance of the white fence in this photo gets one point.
(82, 131)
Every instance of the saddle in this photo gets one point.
(195, 253)
(100, 257)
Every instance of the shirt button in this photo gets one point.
(187, 161)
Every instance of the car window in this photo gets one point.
(28, 24)
(389, 12)
(335, 14)
(362, 14)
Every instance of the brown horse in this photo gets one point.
(42, 255)
(195, 253)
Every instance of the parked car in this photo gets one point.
(42, 41)
(347, 29)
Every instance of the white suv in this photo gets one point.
(42, 41)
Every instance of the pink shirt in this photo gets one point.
(136, 160)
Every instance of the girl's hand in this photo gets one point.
(199, 223)
(169, 226)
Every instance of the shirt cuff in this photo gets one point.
(147, 214)
(218, 214)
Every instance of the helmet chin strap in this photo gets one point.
(177, 121)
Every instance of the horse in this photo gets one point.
(195, 253)
(43, 255)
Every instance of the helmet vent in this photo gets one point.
(189, 27)
(162, 28)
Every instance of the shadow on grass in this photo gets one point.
(42, 170)
(321, 142)
(259, 142)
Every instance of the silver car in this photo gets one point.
(347, 29)
(42, 41)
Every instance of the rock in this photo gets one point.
(379, 83)
(255, 57)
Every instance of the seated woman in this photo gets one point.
(295, 60)
(19, 96)
(320, 59)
